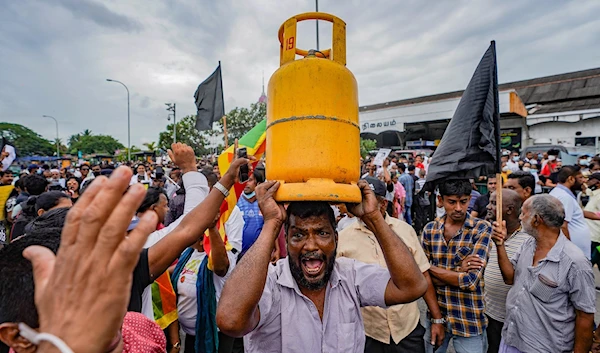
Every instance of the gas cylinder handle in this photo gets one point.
(287, 38)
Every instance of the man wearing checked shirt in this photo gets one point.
(447, 241)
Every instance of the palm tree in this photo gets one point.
(87, 132)
(151, 146)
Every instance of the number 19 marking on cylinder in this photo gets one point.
(290, 43)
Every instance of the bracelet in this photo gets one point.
(221, 188)
(36, 337)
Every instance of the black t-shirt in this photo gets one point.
(141, 280)
(481, 205)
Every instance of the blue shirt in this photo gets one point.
(409, 185)
(253, 222)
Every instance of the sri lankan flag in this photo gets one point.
(255, 143)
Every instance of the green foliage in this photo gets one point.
(26, 141)
(186, 133)
(242, 120)
(366, 146)
(151, 146)
(122, 156)
(87, 143)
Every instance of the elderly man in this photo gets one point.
(310, 301)
(396, 329)
(551, 306)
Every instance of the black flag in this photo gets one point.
(470, 146)
(209, 101)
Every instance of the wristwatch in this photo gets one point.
(177, 345)
(221, 188)
(438, 321)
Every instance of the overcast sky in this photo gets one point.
(55, 55)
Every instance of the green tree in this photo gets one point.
(122, 156)
(186, 133)
(87, 142)
(241, 120)
(366, 146)
(151, 146)
(26, 141)
(62, 148)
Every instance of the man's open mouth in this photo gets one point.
(312, 266)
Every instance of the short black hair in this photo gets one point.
(8, 171)
(152, 196)
(524, 179)
(259, 175)
(211, 176)
(17, 287)
(49, 199)
(411, 168)
(306, 209)
(52, 219)
(35, 184)
(566, 171)
(401, 166)
(458, 187)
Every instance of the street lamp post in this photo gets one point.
(128, 120)
(171, 108)
(57, 145)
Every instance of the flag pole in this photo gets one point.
(225, 131)
(499, 183)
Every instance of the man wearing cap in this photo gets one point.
(593, 206)
(33, 168)
(396, 329)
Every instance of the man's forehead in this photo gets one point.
(456, 197)
(309, 222)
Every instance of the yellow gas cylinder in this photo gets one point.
(313, 135)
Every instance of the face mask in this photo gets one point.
(533, 171)
(505, 169)
(551, 158)
(250, 195)
(96, 173)
(49, 180)
(584, 162)
(515, 158)
(527, 169)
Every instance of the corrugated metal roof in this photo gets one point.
(577, 90)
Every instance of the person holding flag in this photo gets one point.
(469, 148)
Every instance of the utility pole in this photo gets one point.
(172, 108)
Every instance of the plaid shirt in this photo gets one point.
(462, 306)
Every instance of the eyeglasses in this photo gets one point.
(85, 169)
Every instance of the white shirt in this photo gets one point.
(146, 180)
(12, 155)
(578, 228)
(513, 166)
(234, 228)
(187, 304)
(196, 190)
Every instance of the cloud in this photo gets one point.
(57, 55)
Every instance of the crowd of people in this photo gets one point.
(109, 258)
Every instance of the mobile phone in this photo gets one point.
(244, 170)
(140, 178)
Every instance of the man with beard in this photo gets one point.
(310, 302)
(396, 329)
(551, 306)
(447, 241)
(495, 290)
(575, 228)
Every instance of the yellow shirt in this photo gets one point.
(359, 243)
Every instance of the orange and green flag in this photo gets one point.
(255, 142)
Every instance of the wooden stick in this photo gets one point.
(499, 198)
(225, 131)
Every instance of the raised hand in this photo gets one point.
(499, 233)
(233, 173)
(369, 207)
(183, 156)
(82, 294)
(270, 209)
